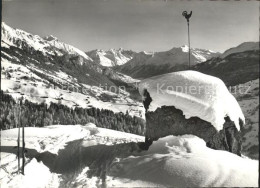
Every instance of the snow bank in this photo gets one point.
(185, 161)
(182, 161)
(51, 138)
(196, 94)
(54, 139)
(103, 132)
(37, 175)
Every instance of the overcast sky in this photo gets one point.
(151, 25)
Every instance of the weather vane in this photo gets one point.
(187, 16)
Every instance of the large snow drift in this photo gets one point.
(185, 161)
(196, 94)
(78, 151)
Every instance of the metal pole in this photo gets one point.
(18, 151)
(189, 40)
(23, 142)
(23, 150)
(18, 139)
(187, 16)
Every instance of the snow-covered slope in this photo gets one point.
(86, 156)
(20, 38)
(112, 57)
(246, 46)
(196, 94)
(66, 47)
(236, 68)
(145, 65)
(24, 81)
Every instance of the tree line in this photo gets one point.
(41, 115)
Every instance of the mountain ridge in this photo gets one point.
(144, 65)
(111, 57)
(245, 46)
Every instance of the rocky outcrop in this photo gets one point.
(168, 120)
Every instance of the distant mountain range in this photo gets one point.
(111, 67)
(144, 64)
(112, 57)
(127, 59)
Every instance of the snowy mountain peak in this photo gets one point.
(50, 38)
(22, 39)
(147, 53)
(185, 48)
(116, 50)
(145, 64)
(48, 45)
(111, 57)
(4, 25)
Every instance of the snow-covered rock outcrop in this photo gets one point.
(196, 94)
(189, 102)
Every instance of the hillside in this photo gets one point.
(246, 46)
(236, 68)
(247, 95)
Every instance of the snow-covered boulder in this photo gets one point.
(189, 102)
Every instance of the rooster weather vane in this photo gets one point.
(187, 16)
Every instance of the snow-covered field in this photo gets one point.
(86, 156)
